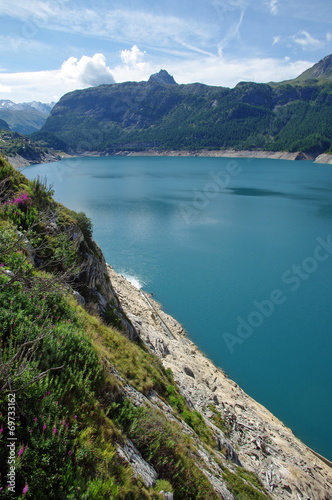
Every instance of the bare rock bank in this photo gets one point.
(286, 466)
(232, 153)
(19, 162)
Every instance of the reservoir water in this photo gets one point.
(239, 251)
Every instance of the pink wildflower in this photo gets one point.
(44, 427)
(25, 489)
(21, 451)
(55, 430)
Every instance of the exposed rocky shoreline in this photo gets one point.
(286, 466)
(20, 162)
(232, 153)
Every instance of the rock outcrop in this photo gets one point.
(162, 77)
(93, 284)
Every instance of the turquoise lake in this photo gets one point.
(239, 251)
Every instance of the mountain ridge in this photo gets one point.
(138, 116)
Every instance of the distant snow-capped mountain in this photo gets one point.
(39, 106)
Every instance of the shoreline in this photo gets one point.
(263, 443)
(324, 158)
(232, 153)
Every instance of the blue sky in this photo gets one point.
(50, 47)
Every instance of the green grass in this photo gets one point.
(244, 485)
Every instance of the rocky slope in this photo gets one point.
(252, 436)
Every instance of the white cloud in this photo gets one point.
(329, 37)
(273, 6)
(133, 67)
(46, 86)
(306, 41)
(276, 39)
(89, 71)
(219, 71)
(133, 56)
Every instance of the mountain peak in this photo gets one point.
(162, 77)
(320, 71)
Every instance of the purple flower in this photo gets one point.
(44, 427)
(21, 451)
(55, 430)
(70, 452)
(25, 489)
(1, 430)
(35, 419)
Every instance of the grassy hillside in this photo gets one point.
(73, 388)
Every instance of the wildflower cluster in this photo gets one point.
(20, 209)
(22, 200)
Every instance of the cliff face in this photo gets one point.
(92, 283)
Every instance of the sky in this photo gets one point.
(51, 47)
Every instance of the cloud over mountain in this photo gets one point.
(87, 70)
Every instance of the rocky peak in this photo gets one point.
(162, 77)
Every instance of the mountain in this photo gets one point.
(106, 403)
(4, 125)
(160, 114)
(38, 106)
(26, 117)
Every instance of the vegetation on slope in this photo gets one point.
(59, 396)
